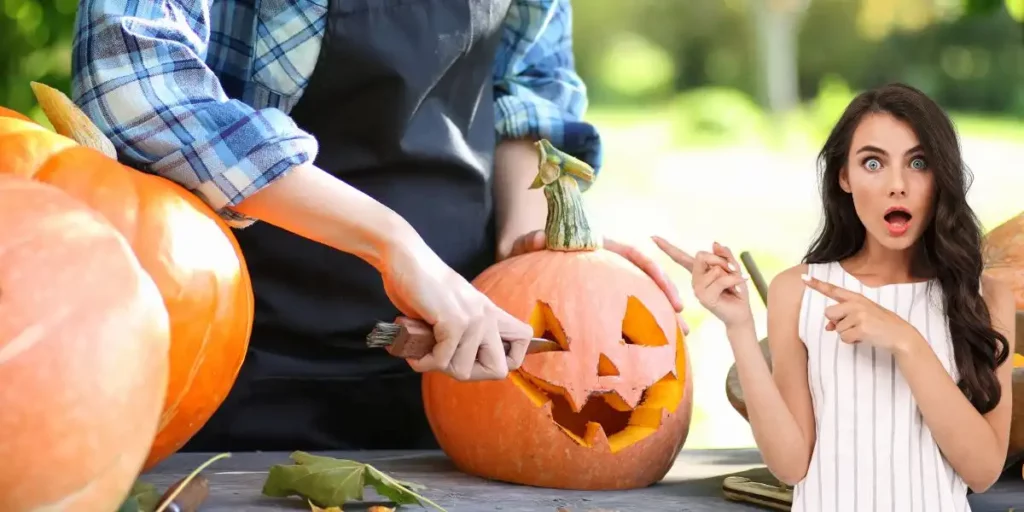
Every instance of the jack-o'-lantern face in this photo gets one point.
(622, 365)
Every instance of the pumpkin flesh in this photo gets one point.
(188, 251)
(84, 338)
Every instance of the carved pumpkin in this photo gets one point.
(84, 337)
(609, 411)
(1004, 260)
(185, 247)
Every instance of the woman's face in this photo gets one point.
(890, 179)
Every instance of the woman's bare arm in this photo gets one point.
(974, 444)
(778, 401)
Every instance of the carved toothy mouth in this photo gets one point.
(605, 414)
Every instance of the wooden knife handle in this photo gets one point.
(416, 339)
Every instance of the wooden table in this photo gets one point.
(693, 485)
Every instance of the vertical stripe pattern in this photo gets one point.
(873, 450)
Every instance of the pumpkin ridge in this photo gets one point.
(102, 357)
(171, 408)
(73, 496)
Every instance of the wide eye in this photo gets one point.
(918, 163)
(872, 164)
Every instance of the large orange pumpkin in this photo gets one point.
(1004, 260)
(84, 337)
(188, 250)
(6, 112)
(609, 411)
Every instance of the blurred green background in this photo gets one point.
(712, 112)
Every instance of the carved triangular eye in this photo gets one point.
(546, 325)
(639, 327)
(605, 367)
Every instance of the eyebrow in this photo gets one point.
(875, 149)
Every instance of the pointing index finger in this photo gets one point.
(829, 290)
(678, 255)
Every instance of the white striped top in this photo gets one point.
(872, 451)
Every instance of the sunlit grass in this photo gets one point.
(753, 195)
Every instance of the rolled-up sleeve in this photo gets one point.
(537, 90)
(139, 74)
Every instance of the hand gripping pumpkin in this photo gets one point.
(1004, 259)
(609, 411)
(83, 354)
(185, 247)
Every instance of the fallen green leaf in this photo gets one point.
(330, 482)
(143, 497)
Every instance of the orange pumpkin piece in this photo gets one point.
(6, 112)
(185, 247)
(84, 337)
(609, 411)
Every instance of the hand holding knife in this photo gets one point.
(412, 339)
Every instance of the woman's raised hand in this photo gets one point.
(717, 281)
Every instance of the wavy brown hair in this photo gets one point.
(953, 237)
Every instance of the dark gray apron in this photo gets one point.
(401, 102)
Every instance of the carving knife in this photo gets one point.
(412, 339)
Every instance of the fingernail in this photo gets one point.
(805, 277)
(733, 267)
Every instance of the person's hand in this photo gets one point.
(468, 327)
(535, 241)
(858, 319)
(717, 281)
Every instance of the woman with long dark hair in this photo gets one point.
(890, 386)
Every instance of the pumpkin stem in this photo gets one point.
(564, 179)
(69, 120)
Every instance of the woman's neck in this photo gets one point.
(880, 265)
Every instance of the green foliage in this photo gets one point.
(967, 54)
(36, 38)
(634, 68)
(714, 116)
(968, 57)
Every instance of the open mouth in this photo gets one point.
(897, 219)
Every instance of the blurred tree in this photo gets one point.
(778, 23)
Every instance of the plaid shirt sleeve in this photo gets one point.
(139, 74)
(537, 90)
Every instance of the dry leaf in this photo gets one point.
(68, 120)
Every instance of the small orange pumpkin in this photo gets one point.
(84, 337)
(188, 250)
(609, 411)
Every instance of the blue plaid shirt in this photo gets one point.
(199, 91)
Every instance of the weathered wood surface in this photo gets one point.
(693, 485)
